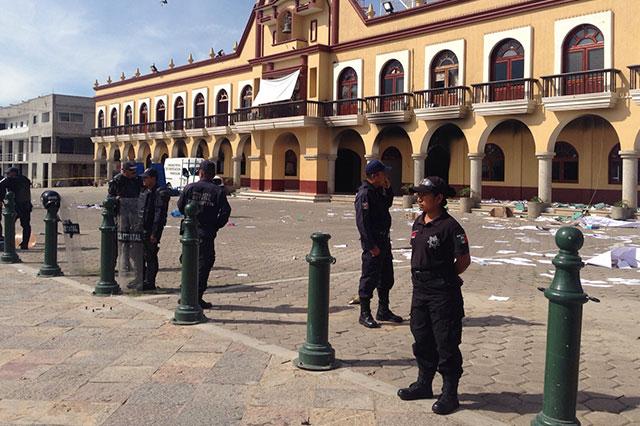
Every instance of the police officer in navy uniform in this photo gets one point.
(127, 183)
(373, 201)
(155, 203)
(20, 185)
(214, 214)
(440, 254)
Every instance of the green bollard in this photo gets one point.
(564, 328)
(51, 202)
(189, 311)
(317, 354)
(107, 285)
(9, 255)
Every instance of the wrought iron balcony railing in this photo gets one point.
(581, 83)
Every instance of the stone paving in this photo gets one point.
(259, 289)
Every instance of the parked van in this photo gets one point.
(181, 171)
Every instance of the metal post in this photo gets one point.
(189, 311)
(107, 284)
(9, 213)
(50, 268)
(564, 328)
(317, 354)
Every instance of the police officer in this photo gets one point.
(21, 186)
(155, 202)
(440, 253)
(372, 204)
(126, 184)
(214, 214)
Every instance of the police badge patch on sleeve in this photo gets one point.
(365, 206)
(462, 239)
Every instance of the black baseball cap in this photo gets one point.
(434, 185)
(209, 167)
(130, 166)
(375, 166)
(150, 173)
(13, 170)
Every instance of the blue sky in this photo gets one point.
(64, 45)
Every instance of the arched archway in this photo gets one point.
(349, 163)
(179, 149)
(201, 150)
(520, 175)
(144, 154)
(443, 145)
(583, 175)
(399, 159)
(224, 155)
(129, 153)
(245, 167)
(286, 164)
(160, 152)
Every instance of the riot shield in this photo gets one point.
(73, 254)
(130, 248)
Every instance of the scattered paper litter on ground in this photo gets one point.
(242, 275)
(495, 298)
(533, 253)
(544, 261)
(250, 227)
(607, 222)
(501, 242)
(544, 274)
(340, 246)
(476, 247)
(506, 252)
(619, 257)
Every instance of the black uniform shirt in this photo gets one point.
(124, 187)
(214, 207)
(436, 244)
(21, 187)
(372, 215)
(155, 203)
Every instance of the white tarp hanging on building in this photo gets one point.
(277, 90)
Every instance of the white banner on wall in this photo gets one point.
(276, 90)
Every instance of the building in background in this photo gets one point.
(49, 139)
(514, 98)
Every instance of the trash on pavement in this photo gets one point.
(495, 298)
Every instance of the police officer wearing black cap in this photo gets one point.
(127, 183)
(214, 214)
(21, 186)
(155, 202)
(373, 201)
(440, 254)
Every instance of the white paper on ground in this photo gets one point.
(506, 252)
(533, 253)
(242, 275)
(476, 247)
(607, 222)
(619, 257)
(495, 298)
(501, 242)
(340, 246)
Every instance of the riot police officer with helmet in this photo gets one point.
(440, 254)
(214, 214)
(20, 185)
(372, 204)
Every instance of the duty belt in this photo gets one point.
(427, 275)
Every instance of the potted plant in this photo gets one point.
(621, 210)
(408, 199)
(535, 207)
(467, 202)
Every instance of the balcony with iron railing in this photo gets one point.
(441, 104)
(594, 89)
(301, 113)
(634, 82)
(344, 112)
(504, 97)
(393, 108)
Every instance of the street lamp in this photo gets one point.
(388, 7)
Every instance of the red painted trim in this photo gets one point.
(224, 58)
(280, 185)
(283, 72)
(245, 182)
(561, 195)
(292, 53)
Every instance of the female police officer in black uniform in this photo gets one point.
(440, 253)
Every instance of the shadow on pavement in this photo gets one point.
(258, 322)
(496, 321)
(237, 288)
(377, 362)
(280, 309)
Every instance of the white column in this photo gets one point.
(418, 167)
(96, 171)
(237, 161)
(476, 174)
(370, 157)
(545, 163)
(331, 170)
(630, 177)
(110, 165)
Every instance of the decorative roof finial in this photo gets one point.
(370, 12)
(190, 59)
(212, 53)
(137, 74)
(171, 64)
(96, 84)
(122, 76)
(109, 81)
(235, 46)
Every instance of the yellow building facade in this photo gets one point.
(512, 98)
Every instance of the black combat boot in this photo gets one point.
(366, 318)
(448, 401)
(384, 313)
(418, 390)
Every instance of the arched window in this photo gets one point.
(178, 114)
(348, 89)
(101, 119)
(392, 78)
(290, 163)
(144, 113)
(222, 108)
(444, 70)
(565, 164)
(160, 116)
(493, 163)
(507, 63)
(583, 50)
(615, 165)
(199, 111)
(114, 117)
(128, 116)
(246, 97)
(220, 163)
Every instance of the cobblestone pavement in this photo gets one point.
(259, 289)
